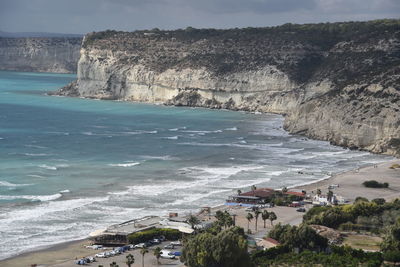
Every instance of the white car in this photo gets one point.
(113, 252)
(176, 243)
(166, 254)
(140, 245)
(101, 255)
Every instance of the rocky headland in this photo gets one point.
(334, 81)
(40, 54)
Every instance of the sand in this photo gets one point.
(350, 186)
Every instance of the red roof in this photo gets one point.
(273, 241)
(260, 192)
(299, 194)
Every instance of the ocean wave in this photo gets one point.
(231, 129)
(47, 167)
(125, 165)
(171, 137)
(36, 154)
(8, 184)
(35, 176)
(33, 197)
(65, 191)
(167, 157)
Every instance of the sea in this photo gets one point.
(69, 166)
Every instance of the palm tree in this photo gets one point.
(114, 264)
(193, 221)
(265, 216)
(143, 251)
(130, 260)
(319, 192)
(330, 196)
(157, 253)
(249, 217)
(256, 214)
(239, 192)
(253, 188)
(284, 189)
(272, 217)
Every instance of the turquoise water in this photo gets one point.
(69, 166)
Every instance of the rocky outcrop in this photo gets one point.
(338, 82)
(41, 54)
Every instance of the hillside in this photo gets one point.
(334, 81)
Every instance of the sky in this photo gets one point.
(82, 16)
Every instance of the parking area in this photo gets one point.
(120, 257)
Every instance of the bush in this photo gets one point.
(139, 237)
(375, 184)
(392, 256)
(395, 166)
(379, 201)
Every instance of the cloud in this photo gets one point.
(80, 16)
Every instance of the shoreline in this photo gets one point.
(349, 182)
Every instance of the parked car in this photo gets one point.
(125, 248)
(301, 210)
(108, 254)
(131, 246)
(81, 262)
(155, 241)
(169, 246)
(161, 238)
(101, 255)
(140, 245)
(176, 243)
(113, 252)
(177, 253)
(166, 254)
(148, 243)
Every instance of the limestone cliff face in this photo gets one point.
(41, 54)
(337, 82)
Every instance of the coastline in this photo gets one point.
(350, 186)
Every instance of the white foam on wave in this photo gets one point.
(36, 146)
(36, 176)
(167, 157)
(65, 191)
(231, 129)
(1, 138)
(36, 154)
(47, 167)
(32, 197)
(8, 184)
(171, 137)
(125, 165)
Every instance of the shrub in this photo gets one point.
(379, 201)
(392, 256)
(139, 237)
(395, 166)
(375, 184)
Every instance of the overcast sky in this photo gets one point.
(81, 16)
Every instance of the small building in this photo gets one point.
(266, 243)
(264, 195)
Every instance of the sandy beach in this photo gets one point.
(350, 186)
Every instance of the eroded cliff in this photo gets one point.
(40, 54)
(338, 82)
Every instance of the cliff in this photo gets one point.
(335, 81)
(41, 54)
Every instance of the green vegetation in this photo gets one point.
(391, 239)
(226, 249)
(340, 256)
(170, 234)
(363, 215)
(130, 259)
(375, 184)
(302, 237)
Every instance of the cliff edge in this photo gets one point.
(40, 54)
(334, 81)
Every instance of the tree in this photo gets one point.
(330, 196)
(265, 216)
(253, 189)
(228, 220)
(284, 190)
(130, 260)
(226, 249)
(113, 264)
(256, 215)
(272, 217)
(143, 251)
(239, 192)
(391, 239)
(193, 221)
(157, 254)
(249, 217)
(319, 192)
